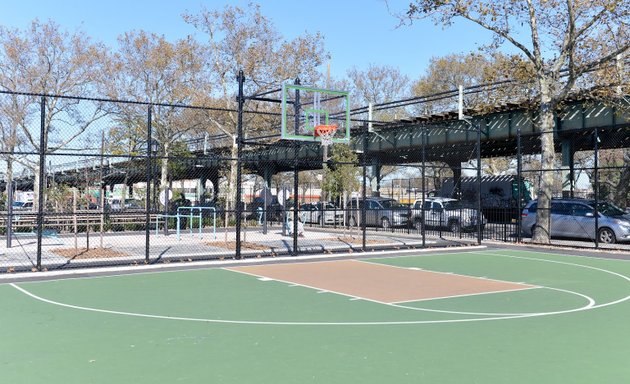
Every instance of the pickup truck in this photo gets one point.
(442, 212)
(499, 195)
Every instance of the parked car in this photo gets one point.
(22, 205)
(17, 205)
(313, 213)
(130, 204)
(575, 218)
(379, 211)
(442, 212)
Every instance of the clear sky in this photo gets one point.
(357, 32)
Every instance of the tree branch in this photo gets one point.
(591, 22)
(536, 58)
(608, 58)
(568, 43)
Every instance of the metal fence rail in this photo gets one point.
(89, 185)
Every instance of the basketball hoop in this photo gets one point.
(326, 133)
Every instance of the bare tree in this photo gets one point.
(379, 84)
(613, 173)
(563, 40)
(446, 73)
(151, 69)
(307, 181)
(244, 39)
(473, 69)
(47, 60)
(344, 178)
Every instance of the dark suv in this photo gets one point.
(274, 208)
(576, 218)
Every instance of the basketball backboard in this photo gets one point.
(315, 106)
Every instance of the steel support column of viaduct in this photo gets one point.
(376, 177)
(568, 167)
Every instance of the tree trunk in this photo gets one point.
(547, 162)
(623, 186)
(230, 194)
(9, 183)
(36, 190)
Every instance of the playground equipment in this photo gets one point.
(193, 212)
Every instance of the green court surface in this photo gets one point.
(219, 326)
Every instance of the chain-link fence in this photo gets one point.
(90, 182)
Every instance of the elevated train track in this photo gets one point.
(401, 142)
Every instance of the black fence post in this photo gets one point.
(149, 176)
(408, 206)
(42, 174)
(264, 207)
(391, 224)
(296, 190)
(363, 192)
(596, 186)
(239, 151)
(296, 160)
(479, 231)
(424, 185)
(167, 198)
(9, 189)
(519, 186)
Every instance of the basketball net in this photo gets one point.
(326, 134)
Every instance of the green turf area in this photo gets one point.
(219, 326)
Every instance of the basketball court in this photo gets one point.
(377, 282)
(484, 315)
(458, 315)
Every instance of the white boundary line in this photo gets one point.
(294, 284)
(555, 251)
(591, 305)
(196, 265)
(467, 295)
(590, 301)
(397, 303)
(249, 322)
(554, 262)
(455, 274)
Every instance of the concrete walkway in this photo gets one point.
(128, 248)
